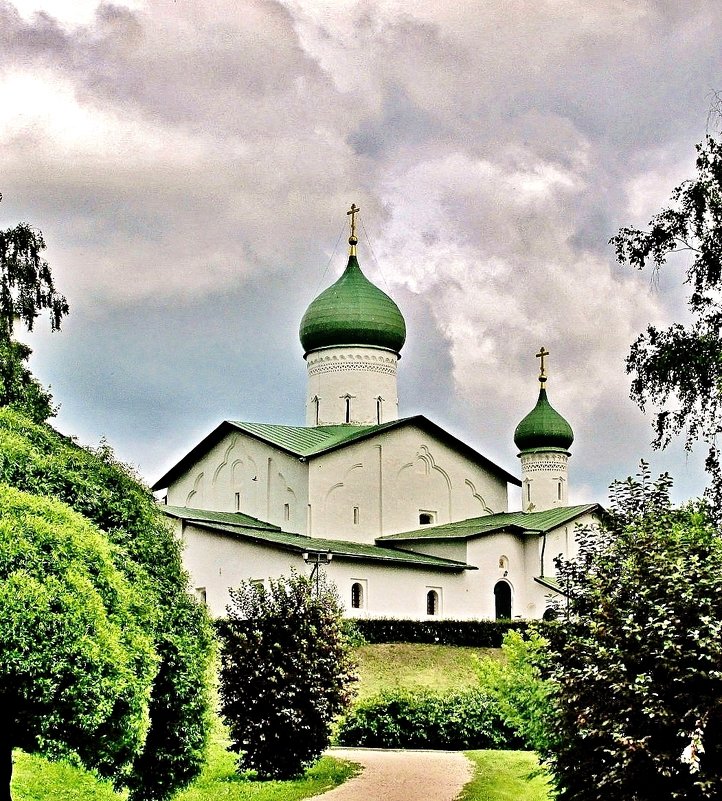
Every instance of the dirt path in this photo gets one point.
(401, 776)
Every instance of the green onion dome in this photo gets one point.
(543, 429)
(353, 312)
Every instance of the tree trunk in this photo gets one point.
(6, 766)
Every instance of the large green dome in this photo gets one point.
(352, 312)
(543, 429)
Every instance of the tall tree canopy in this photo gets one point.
(678, 370)
(37, 460)
(636, 661)
(26, 291)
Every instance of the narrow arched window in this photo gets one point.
(357, 595)
(316, 401)
(355, 515)
(348, 408)
(432, 602)
(379, 409)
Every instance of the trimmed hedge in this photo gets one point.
(423, 719)
(474, 633)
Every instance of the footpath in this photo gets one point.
(401, 775)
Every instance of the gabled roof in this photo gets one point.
(305, 442)
(519, 522)
(232, 524)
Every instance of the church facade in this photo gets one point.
(406, 519)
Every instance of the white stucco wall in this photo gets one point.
(271, 484)
(545, 481)
(216, 562)
(363, 373)
(390, 480)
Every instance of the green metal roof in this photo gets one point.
(353, 311)
(233, 518)
(307, 442)
(267, 534)
(543, 429)
(520, 522)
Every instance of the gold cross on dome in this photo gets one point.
(353, 212)
(542, 355)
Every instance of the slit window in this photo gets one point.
(357, 595)
(237, 501)
(286, 511)
(356, 515)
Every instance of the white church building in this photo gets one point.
(407, 520)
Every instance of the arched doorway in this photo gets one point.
(502, 600)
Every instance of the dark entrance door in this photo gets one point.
(502, 599)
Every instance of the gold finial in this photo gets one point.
(542, 373)
(352, 239)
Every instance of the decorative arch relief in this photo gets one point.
(477, 497)
(197, 491)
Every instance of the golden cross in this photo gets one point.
(542, 353)
(354, 211)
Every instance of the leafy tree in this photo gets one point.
(77, 661)
(26, 290)
(286, 673)
(518, 684)
(679, 370)
(38, 460)
(636, 663)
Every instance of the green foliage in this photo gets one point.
(26, 282)
(19, 389)
(637, 660)
(523, 695)
(425, 719)
(38, 460)
(286, 673)
(77, 661)
(678, 370)
(26, 290)
(474, 633)
(506, 776)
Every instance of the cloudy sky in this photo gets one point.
(190, 165)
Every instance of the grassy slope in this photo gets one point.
(417, 666)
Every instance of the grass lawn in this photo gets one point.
(417, 666)
(36, 779)
(505, 776)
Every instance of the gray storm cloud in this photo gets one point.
(191, 164)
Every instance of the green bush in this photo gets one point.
(423, 719)
(636, 662)
(474, 633)
(36, 459)
(524, 696)
(286, 673)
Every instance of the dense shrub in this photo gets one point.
(76, 659)
(38, 460)
(637, 658)
(474, 633)
(424, 719)
(286, 673)
(524, 696)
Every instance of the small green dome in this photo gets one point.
(543, 429)
(352, 312)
